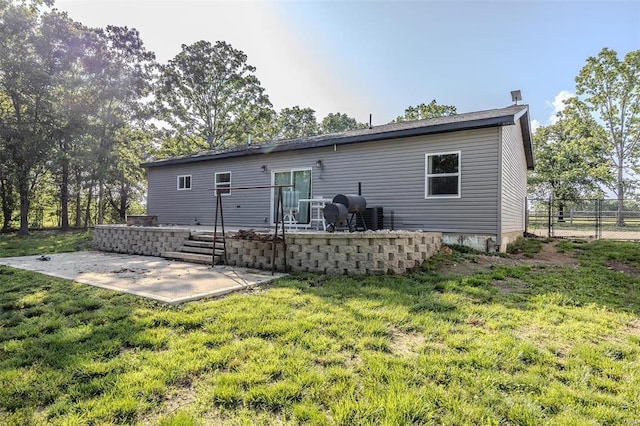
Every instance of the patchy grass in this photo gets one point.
(529, 247)
(44, 242)
(509, 345)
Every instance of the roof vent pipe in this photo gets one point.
(370, 117)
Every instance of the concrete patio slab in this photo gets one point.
(152, 277)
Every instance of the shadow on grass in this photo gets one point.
(69, 348)
(608, 276)
(56, 331)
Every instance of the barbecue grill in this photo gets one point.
(337, 212)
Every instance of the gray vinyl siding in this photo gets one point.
(514, 180)
(392, 174)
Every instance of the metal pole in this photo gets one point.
(215, 231)
(598, 219)
(549, 233)
(224, 237)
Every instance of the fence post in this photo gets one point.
(549, 217)
(598, 219)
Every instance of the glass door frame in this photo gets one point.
(291, 171)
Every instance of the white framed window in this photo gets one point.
(442, 175)
(184, 182)
(223, 183)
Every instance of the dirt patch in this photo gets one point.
(509, 285)
(548, 256)
(634, 328)
(177, 399)
(405, 343)
(623, 267)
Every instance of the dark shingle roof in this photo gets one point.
(465, 121)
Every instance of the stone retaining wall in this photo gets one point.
(147, 241)
(371, 252)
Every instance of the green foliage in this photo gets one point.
(424, 111)
(570, 164)
(67, 95)
(211, 98)
(296, 122)
(610, 94)
(339, 122)
(512, 345)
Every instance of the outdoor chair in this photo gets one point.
(290, 202)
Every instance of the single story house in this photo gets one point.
(463, 175)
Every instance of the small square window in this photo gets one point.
(442, 175)
(184, 182)
(223, 183)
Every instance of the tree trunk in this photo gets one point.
(78, 198)
(620, 193)
(87, 212)
(6, 192)
(7, 208)
(23, 189)
(78, 222)
(64, 196)
(124, 201)
(100, 203)
(560, 212)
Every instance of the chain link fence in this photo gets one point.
(587, 218)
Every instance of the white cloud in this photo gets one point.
(535, 125)
(558, 104)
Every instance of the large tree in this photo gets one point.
(296, 122)
(339, 122)
(125, 183)
(31, 58)
(73, 101)
(66, 93)
(211, 98)
(125, 71)
(424, 111)
(569, 164)
(609, 92)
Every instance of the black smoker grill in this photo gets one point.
(337, 212)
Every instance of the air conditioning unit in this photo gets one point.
(373, 219)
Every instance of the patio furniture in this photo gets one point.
(290, 200)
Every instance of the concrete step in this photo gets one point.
(194, 243)
(207, 238)
(189, 257)
(201, 250)
(203, 244)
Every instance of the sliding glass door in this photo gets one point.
(301, 181)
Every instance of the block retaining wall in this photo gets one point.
(147, 241)
(368, 252)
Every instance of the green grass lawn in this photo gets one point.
(44, 242)
(526, 345)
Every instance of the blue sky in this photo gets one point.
(362, 57)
